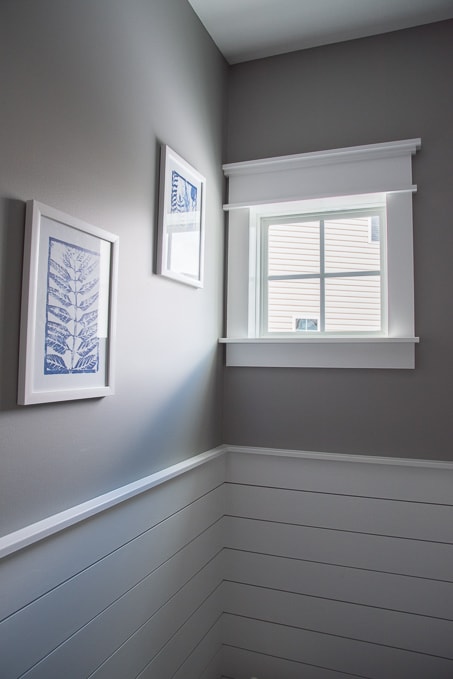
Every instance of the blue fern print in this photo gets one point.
(184, 195)
(71, 341)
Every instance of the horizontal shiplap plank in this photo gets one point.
(57, 558)
(149, 629)
(214, 668)
(381, 517)
(180, 646)
(362, 623)
(372, 661)
(367, 477)
(239, 663)
(391, 555)
(395, 592)
(146, 571)
(204, 661)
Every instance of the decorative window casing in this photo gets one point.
(371, 182)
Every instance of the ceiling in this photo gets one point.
(251, 29)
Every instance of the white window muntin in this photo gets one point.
(321, 217)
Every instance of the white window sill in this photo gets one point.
(321, 352)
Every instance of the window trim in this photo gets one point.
(351, 177)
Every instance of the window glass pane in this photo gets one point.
(292, 300)
(352, 244)
(353, 304)
(306, 324)
(293, 248)
(375, 229)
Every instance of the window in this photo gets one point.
(320, 259)
(322, 270)
(306, 324)
(374, 229)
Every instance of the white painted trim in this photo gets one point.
(436, 465)
(382, 353)
(35, 532)
(24, 537)
(374, 168)
(294, 161)
(318, 197)
(375, 174)
(319, 340)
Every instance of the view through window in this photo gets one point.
(323, 273)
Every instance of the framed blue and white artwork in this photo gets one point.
(180, 243)
(68, 308)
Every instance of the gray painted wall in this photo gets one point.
(88, 90)
(378, 89)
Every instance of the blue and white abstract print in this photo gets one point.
(184, 195)
(71, 341)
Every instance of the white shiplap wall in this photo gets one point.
(336, 567)
(249, 562)
(132, 591)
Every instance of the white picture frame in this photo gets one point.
(181, 221)
(68, 313)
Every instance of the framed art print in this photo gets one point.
(68, 308)
(180, 251)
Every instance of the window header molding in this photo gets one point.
(336, 172)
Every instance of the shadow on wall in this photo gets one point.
(12, 224)
(184, 421)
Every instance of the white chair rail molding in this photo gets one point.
(320, 259)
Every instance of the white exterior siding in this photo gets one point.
(351, 303)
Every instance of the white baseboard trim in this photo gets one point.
(40, 530)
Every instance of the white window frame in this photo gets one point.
(263, 222)
(356, 177)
